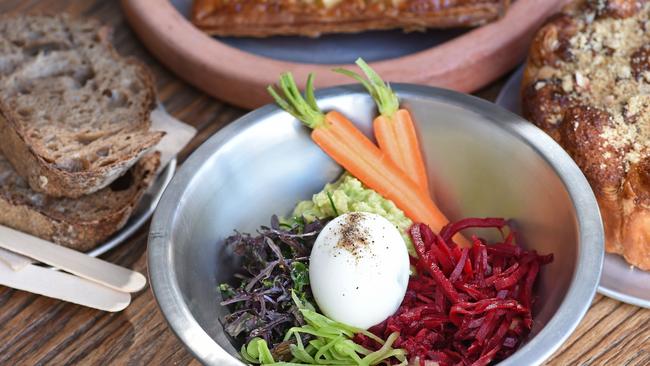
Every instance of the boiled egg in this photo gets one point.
(359, 269)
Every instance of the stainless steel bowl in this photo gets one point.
(484, 161)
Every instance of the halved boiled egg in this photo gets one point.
(359, 269)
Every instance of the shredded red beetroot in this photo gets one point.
(469, 306)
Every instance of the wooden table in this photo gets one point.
(37, 330)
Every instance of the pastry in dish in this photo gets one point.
(587, 84)
(263, 18)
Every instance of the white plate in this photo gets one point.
(619, 280)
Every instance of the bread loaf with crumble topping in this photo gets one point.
(587, 84)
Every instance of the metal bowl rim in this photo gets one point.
(572, 309)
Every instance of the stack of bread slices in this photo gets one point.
(76, 148)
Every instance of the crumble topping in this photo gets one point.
(607, 70)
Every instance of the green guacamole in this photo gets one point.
(348, 194)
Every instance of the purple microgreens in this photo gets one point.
(274, 263)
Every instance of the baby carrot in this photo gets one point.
(350, 148)
(394, 129)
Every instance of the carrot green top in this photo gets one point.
(303, 108)
(384, 97)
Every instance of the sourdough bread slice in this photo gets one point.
(74, 115)
(80, 223)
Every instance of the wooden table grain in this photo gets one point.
(35, 330)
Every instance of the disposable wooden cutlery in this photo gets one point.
(64, 286)
(82, 265)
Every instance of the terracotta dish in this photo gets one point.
(465, 63)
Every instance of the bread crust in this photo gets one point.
(44, 177)
(255, 18)
(81, 231)
(49, 177)
(586, 83)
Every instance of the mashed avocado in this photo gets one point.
(348, 194)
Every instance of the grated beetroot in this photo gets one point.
(469, 306)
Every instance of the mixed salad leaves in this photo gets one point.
(468, 302)
(274, 265)
(273, 308)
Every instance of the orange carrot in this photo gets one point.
(397, 137)
(350, 148)
(394, 129)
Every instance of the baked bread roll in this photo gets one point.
(263, 18)
(587, 84)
